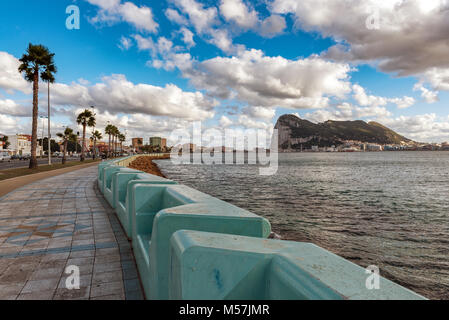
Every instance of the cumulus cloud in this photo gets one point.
(12, 108)
(112, 11)
(260, 112)
(225, 122)
(116, 94)
(246, 18)
(200, 17)
(174, 16)
(10, 78)
(239, 13)
(421, 128)
(265, 81)
(428, 95)
(248, 122)
(187, 37)
(363, 99)
(347, 111)
(272, 26)
(8, 124)
(411, 38)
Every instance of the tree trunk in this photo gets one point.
(33, 159)
(95, 148)
(84, 142)
(113, 146)
(65, 151)
(109, 147)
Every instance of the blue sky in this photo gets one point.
(282, 57)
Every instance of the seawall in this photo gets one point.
(190, 245)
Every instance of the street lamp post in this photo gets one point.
(43, 129)
(93, 134)
(49, 130)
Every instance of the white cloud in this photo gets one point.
(12, 108)
(272, 26)
(438, 78)
(174, 16)
(8, 124)
(187, 37)
(260, 112)
(222, 40)
(239, 13)
(125, 43)
(421, 128)
(201, 18)
(403, 103)
(116, 94)
(112, 11)
(10, 78)
(428, 95)
(411, 38)
(144, 43)
(265, 81)
(363, 99)
(225, 122)
(367, 100)
(105, 4)
(248, 122)
(347, 111)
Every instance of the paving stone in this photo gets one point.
(58, 222)
(106, 289)
(40, 285)
(39, 295)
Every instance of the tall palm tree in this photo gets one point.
(122, 139)
(36, 60)
(67, 136)
(96, 135)
(109, 130)
(86, 119)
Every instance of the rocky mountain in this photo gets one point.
(297, 133)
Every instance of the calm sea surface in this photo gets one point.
(390, 209)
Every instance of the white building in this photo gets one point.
(21, 145)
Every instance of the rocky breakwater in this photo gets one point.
(146, 164)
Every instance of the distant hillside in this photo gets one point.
(294, 132)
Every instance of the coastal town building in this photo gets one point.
(20, 144)
(1, 142)
(137, 143)
(156, 142)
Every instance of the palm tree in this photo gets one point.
(96, 135)
(67, 136)
(109, 130)
(86, 119)
(122, 139)
(36, 59)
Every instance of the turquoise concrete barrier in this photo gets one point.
(124, 183)
(177, 259)
(159, 211)
(209, 266)
(101, 166)
(109, 181)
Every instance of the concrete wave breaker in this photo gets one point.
(208, 266)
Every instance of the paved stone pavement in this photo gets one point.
(64, 221)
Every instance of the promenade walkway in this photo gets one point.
(58, 222)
